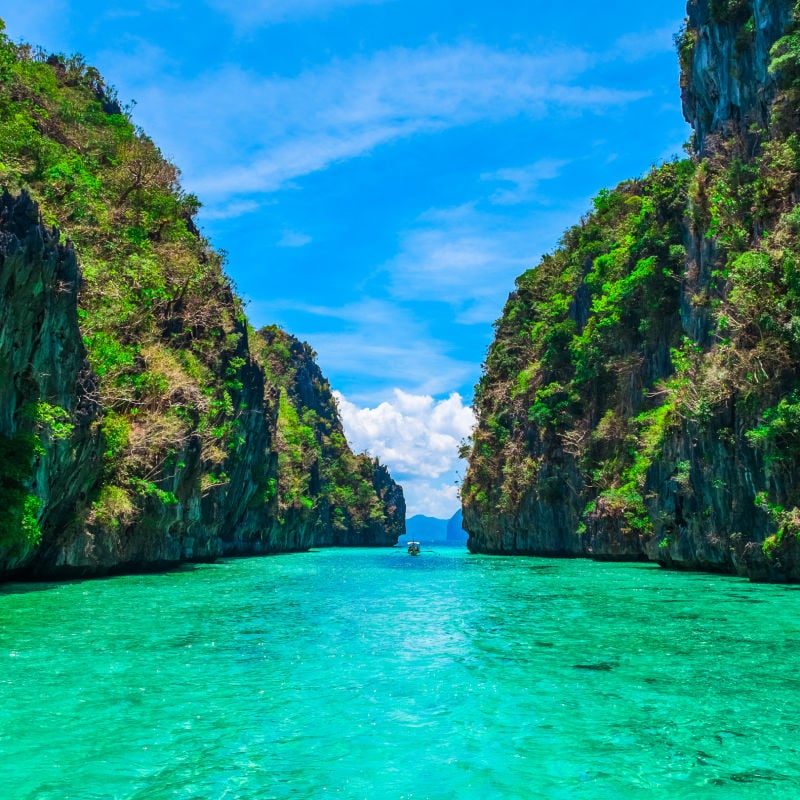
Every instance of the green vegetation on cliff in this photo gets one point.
(189, 434)
(157, 314)
(642, 394)
(574, 339)
(317, 471)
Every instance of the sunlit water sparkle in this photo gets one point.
(372, 674)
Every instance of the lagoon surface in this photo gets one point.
(372, 674)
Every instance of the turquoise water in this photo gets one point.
(372, 674)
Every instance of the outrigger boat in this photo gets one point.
(413, 548)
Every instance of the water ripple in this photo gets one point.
(368, 674)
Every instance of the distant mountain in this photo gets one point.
(425, 529)
(455, 533)
(431, 530)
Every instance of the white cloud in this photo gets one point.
(524, 180)
(418, 438)
(289, 127)
(294, 239)
(377, 342)
(469, 258)
(639, 46)
(229, 210)
(265, 12)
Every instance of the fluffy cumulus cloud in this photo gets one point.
(418, 438)
(439, 500)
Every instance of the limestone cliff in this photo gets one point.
(138, 426)
(48, 396)
(641, 398)
(726, 86)
(46, 388)
(355, 501)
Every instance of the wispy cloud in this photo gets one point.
(293, 159)
(468, 257)
(289, 127)
(645, 44)
(418, 438)
(294, 239)
(229, 210)
(422, 364)
(267, 12)
(524, 181)
(377, 343)
(457, 256)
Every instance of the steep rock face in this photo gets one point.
(727, 86)
(46, 389)
(385, 532)
(342, 499)
(570, 369)
(641, 398)
(137, 427)
(48, 394)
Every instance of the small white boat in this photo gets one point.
(413, 548)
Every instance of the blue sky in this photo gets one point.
(379, 171)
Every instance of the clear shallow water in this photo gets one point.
(371, 674)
